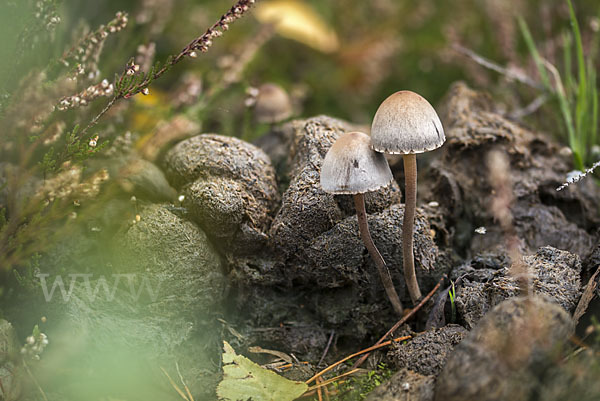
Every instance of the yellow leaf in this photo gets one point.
(296, 20)
(243, 380)
(149, 110)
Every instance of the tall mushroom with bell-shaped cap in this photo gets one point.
(407, 124)
(351, 167)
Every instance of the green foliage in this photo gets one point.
(575, 95)
(452, 295)
(48, 163)
(27, 276)
(358, 388)
(128, 85)
(79, 149)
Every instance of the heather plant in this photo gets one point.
(48, 113)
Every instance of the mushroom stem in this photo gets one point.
(410, 203)
(384, 273)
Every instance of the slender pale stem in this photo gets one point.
(410, 203)
(384, 273)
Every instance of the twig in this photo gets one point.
(489, 64)
(530, 108)
(586, 297)
(183, 382)
(319, 392)
(326, 391)
(577, 177)
(99, 115)
(35, 381)
(175, 386)
(371, 348)
(333, 379)
(248, 51)
(326, 347)
(402, 321)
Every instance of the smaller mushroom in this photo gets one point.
(351, 167)
(272, 105)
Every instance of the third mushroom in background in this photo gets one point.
(407, 124)
(273, 104)
(352, 167)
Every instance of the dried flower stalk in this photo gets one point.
(84, 97)
(576, 176)
(83, 57)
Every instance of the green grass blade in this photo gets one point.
(578, 45)
(568, 61)
(594, 95)
(581, 106)
(535, 54)
(574, 140)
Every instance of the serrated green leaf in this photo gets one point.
(244, 379)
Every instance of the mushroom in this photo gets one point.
(351, 167)
(272, 105)
(407, 124)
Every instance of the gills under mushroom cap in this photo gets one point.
(352, 167)
(406, 123)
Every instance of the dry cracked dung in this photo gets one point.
(229, 187)
(487, 282)
(317, 246)
(576, 379)
(176, 257)
(503, 357)
(157, 311)
(306, 210)
(335, 284)
(141, 178)
(426, 353)
(542, 216)
(338, 257)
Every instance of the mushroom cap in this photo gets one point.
(352, 167)
(273, 104)
(406, 123)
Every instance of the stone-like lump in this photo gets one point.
(503, 357)
(230, 189)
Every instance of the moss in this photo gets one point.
(358, 388)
